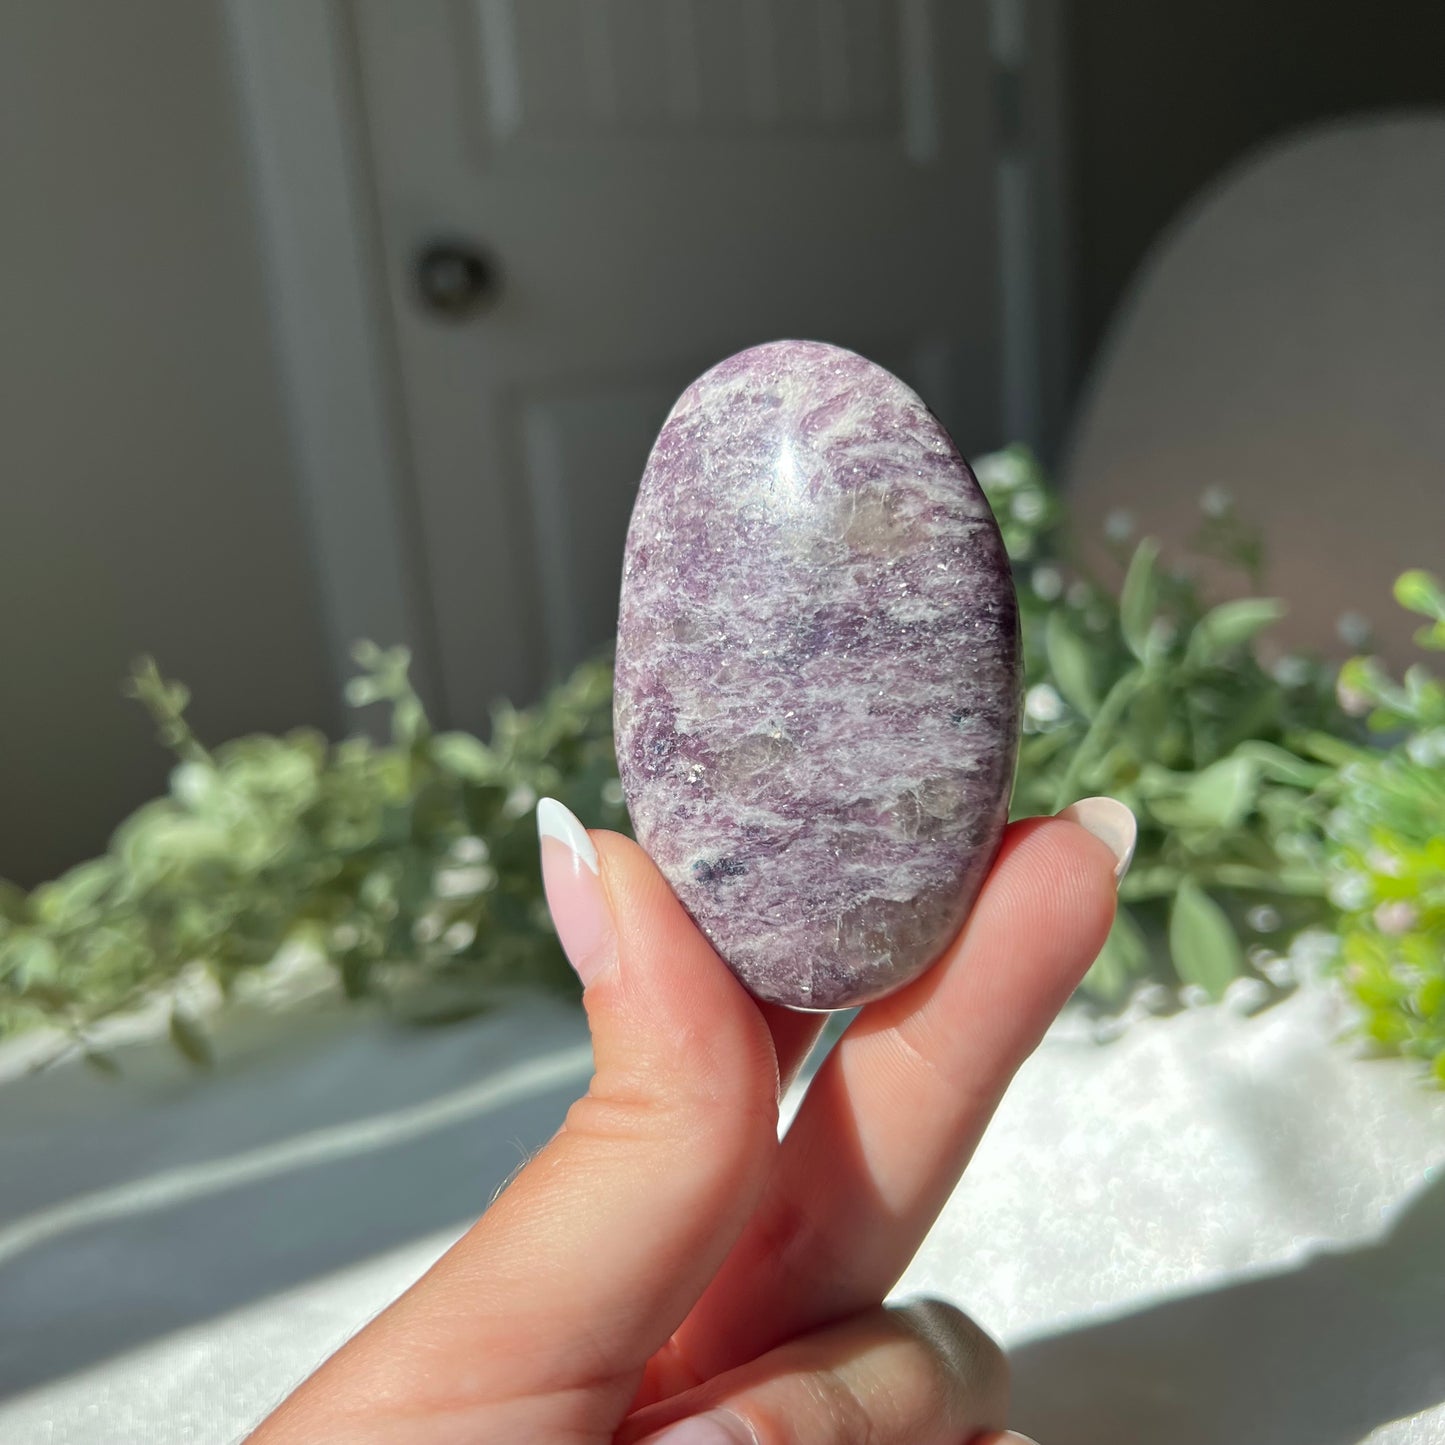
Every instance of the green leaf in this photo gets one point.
(1070, 664)
(34, 959)
(1229, 626)
(76, 893)
(363, 691)
(1202, 941)
(191, 1039)
(1331, 750)
(408, 720)
(1426, 695)
(1419, 591)
(1223, 794)
(1219, 796)
(1280, 765)
(1432, 637)
(1124, 956)
(466, 756)
(1177, 814)
(1139, 599)
(14, 903)
(1430, 1001)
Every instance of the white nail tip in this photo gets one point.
(556, 821)
(1111, 823)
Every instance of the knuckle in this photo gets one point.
(610, 1115)
(921, 1053)
(905, 1386)
(642, 1106)
(968, 1366)
(626, 1118)
(841, 1409)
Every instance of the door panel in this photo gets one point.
(633, 67)
(661, 182)
(597, 429)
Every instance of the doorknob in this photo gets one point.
(455, 279)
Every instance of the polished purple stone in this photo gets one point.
(818, 673)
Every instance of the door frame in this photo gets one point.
(1028, 43)
(302, 110)
(299, 99)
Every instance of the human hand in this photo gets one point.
(665, 1258)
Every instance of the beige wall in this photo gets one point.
(147, 501)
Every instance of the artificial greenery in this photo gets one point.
(1154, 696)
(410, 867)
(1386, 830)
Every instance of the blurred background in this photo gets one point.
(322, 321)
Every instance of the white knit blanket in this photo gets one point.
(1214, 1229)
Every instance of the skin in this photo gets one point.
(665, 1255)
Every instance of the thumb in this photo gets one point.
(592, 1257)
(639, 1198)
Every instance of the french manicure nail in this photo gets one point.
(1111, 823)
(575, 897)
(717, 1427)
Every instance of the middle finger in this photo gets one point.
(900, 1104)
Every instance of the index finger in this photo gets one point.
(898, 1107)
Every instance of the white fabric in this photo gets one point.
(1215, 1229)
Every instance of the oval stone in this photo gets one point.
(818, 673)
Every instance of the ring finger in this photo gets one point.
(923, 1374)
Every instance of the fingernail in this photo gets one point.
(1111, 823)
(717, 1427)
(1012, 1437)
(574, 890)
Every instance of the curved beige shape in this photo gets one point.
(1286, 340)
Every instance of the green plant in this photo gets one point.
(1157, 697)
(1386, 828)
(411, 867)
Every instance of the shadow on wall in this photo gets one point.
(1320, 1355)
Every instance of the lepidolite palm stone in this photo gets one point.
(818, 673)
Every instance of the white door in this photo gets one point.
(655, 184)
